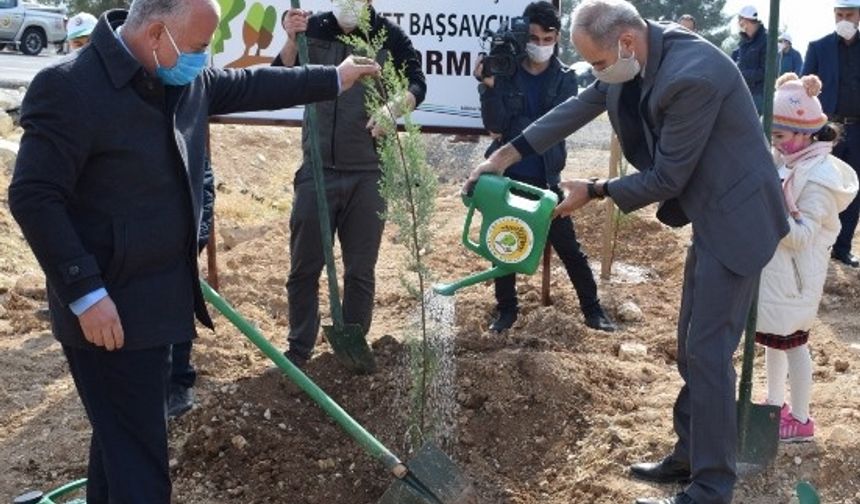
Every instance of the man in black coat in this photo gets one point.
(108, 189)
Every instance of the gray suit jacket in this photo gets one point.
(697, 143)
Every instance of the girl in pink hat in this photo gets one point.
(817, 186)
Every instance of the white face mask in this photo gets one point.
(781, 46)
(846, 29)
(539, 53)
(346, 12)
(623, 70)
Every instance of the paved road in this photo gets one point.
(18, 70)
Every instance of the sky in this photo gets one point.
(804, 20)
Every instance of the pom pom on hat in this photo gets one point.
(796, 106)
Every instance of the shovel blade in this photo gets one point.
(433, 479)
(758, 435)
(806, 493)
(351, 348)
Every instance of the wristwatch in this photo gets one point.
(593, 193)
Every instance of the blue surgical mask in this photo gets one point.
(188, 66)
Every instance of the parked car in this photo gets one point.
(30, 27)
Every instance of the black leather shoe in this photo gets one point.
(600, 322)
(179, 401)
(504, 321)
(667, 470)
(296, 359)
(846, 258)
(681, 498)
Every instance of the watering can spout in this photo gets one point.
(449, 289)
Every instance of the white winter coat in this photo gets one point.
(793, 281)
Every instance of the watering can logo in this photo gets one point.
(514, 227)
(510, 240)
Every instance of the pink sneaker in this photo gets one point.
(784, 413)
(792, 431)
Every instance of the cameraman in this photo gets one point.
(508, 105)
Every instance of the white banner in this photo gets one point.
(446, 34)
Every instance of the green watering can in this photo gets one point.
(515, 224)
(36, 497)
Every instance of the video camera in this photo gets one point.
(507, 48)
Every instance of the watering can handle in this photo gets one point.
(530, 189)
(467, 242)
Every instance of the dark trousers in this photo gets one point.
(848, 150)
(182, 373)
(355, 209)
(714, 307)
(124, 394)
(562, 237)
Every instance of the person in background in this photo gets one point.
(78, 30)
(835, 58)
(685, 120)
(108, 190)
(351, 168)
(688, 22)
(183, 376)
(790, 60)
(817, 186)
(509, 105)
(751, 54)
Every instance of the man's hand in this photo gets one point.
(390, 112)
(295, 21)
(101, 325)
(575, 197)
(354, 68)
(479, 71)
(497, 163)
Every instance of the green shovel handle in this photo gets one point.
(370, 444)
(319, 186)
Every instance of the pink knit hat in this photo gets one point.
(796, 106)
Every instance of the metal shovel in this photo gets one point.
(758, 424)
(806, 493)
(431, 477)
(347, 340)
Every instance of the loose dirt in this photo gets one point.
(549, 412)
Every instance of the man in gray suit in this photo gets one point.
(687, 122)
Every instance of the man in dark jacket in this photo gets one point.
(180, 396)
(751, 54)
(790, 59)
(107, 190)
(508, 105)
(352, 173)
(835, 58)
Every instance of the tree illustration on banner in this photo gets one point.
(229, 10)
(258, 31)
